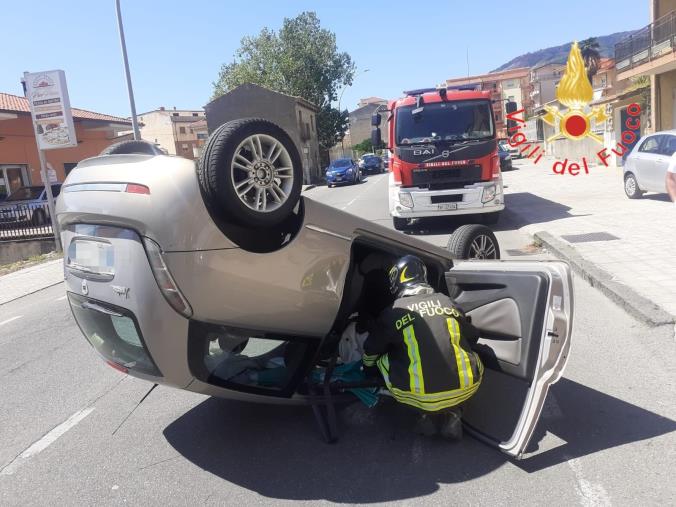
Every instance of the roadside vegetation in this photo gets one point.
(31, 261)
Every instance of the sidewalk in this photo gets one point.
(29, 280)
(632, 241)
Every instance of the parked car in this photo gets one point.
(386, 160)
(512, 150)
(343, 170)
(370, 163)
(505, 158)
(645, 168)
(27, 205)
(227, 281)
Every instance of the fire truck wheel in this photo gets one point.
(250, 173)
(473, 241)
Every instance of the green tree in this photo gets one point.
(301, 59)
(590, 53)
(364, 147)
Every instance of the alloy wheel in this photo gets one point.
(262, 173)
(482, 248)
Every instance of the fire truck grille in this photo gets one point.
(455, 176)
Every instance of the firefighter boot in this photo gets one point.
(426, 425)
(451, 427)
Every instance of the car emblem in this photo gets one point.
(121, 291)
(85, 287)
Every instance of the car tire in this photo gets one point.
(489, 218)
(39, 218)
(268, 169)
(132, 147)
(400, 224)
(473, 241)
(631, 187)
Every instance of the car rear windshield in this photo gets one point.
(26, 194)
(445, 121)
(370, 158)
(341, 162)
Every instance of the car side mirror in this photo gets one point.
(376, 119)
(376, 138)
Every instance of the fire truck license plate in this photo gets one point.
(444, 206)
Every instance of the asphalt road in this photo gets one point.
(606, 437)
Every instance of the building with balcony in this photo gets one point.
(543, 80)
(170, 129)
(651, 51)
(296, 115)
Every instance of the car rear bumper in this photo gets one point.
(103, 303)
(429, 203)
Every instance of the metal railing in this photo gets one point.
(648, 43)
(24, 221)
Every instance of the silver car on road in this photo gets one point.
(645, 168)
(223, 279)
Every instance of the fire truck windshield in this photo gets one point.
(445, 121)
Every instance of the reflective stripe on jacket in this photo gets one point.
(422, 347)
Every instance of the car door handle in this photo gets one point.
(100, 309)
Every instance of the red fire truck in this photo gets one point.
(443, 155)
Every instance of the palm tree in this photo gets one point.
(590, 53)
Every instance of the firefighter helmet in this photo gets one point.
(408, 273)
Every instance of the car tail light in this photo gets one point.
(164, 279)
(133, 188)
(116, 366)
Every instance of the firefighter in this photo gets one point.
(421, 344)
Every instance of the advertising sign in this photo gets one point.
(47, 95)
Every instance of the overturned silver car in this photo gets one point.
(224, 279)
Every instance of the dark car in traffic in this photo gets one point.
(371, 163)
(505, 158)
(342, 170)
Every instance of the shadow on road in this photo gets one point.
(522, 208)
(276, 450)
(657, 197)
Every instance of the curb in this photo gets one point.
(31, 292)
(627, 298)
(308, 187)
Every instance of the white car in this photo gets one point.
(645, 168)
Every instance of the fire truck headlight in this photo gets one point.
(488, 194)
(405, 199)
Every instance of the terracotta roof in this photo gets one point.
(606, 64)
(17, 104)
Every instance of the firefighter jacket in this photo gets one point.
(422, 347)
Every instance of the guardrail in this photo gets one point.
(648, 43)
(24, 221)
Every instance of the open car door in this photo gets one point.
(524, 313)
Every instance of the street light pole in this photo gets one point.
(134, 123)
(342, 142)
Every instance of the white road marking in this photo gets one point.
(61, 298)
(591, 494)
(10, 320)
(46, 441)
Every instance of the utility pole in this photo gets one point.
(134, 122)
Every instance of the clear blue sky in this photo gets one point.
(176, 47)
